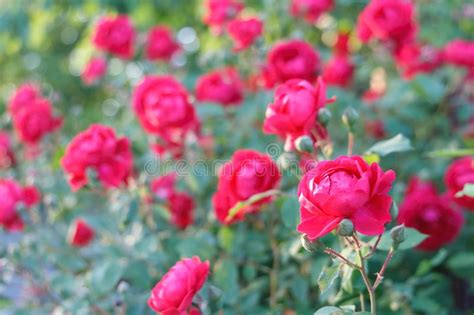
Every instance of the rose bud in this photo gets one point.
(222, 86)
(414, 58)
(94, 70)
(398, 235)
(7, 156)
(350, 117)
(345, 228)
(324, 116)
(424, 210)
(304, 144)
(291, 59)
(388, 20)
(248, 173)
(294, 111)
(459, 173)
(312, 246)
(115, 35)
(174, 293)
(12, 195)
(220, 12)
(98, 149)
(459, 53)
(345, 188)
(310, 10)
(160, 44)
(80, 233)
(244, 32)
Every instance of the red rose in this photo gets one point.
(222, 86)
(346, 188)
(370, 96)
(415, 58)
(160, 44)
(23, 97)
(338, 71)
(7, 156)
(458, 174)
(294, 111)
(423, 209)
(248, 173)
(174, 293)
(80, 233)
(163, 108)
(179, 204)
(292, 59)
(375, 128)
(219, 12)
(11, 196)
(244, 32)
(115, 35)
(460, 53)
(387, 20)
(310, 10)
(94, 70)
(32, 115)
(98, 149)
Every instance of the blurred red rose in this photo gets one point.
(294, 110)
(459, 173)
(460, 53)
(222, 86)
(179, 204)
(310, 10)
(160, 44)
(388, 20)
(338, 71)
(94, 70)
(32, 115)
(345, 188)
(174, 293)
(115, 35)
(23, 97)
(248, 173)
(220, 12)
(370, 96)
(291, 59)
(80, 233)
(415, 58)
(7, 156)
(244, 32)
(98, 148)
(375, 128)
(423, 209)
(163, 108)
(11, 196)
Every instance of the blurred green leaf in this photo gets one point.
(399, 143)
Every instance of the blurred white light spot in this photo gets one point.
(133, 71)
(115, 66)
(68, 35)
(31, 61)
(186, 35)
(178, 60)
(110, 107)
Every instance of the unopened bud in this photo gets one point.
(286, 160)
(304, 144)
(345, 228)
(324, 116)
(350, 117)
(398, 235)
(312, 246)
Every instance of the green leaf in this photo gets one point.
(329, 310)
(203, 244)
(226, 238)
(105, 275)
(461, 262)
(413, 238)
(225, 276)
(399, 143)
(451, 153)
(289, 213)
(4, 303)
(467, 190)
(328, 277)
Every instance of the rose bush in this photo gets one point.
(236, 157)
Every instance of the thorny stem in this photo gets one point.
(276, 263)
(333, 253)
(362, 302)
(365, 277)
(380, 274)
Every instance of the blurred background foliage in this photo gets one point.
(49, 42)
